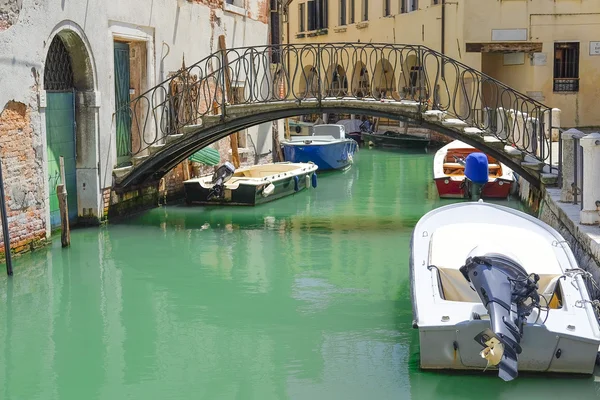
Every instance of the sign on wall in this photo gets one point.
(594, 48)
(503, 35)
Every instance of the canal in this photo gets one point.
(303, 298)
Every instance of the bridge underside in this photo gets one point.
(161, 158)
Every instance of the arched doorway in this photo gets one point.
(309, 82)
(71, 125)
(384, 80)
(338, 82)
(360, 80)
(60, 127)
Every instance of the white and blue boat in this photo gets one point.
(328, 148)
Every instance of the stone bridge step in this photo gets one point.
(192, 128)
(434, 115)
(155, 148)
(139, 159)
(536, 166)
(454, 122)
(549, 179)
(123, 171)
(174, 138)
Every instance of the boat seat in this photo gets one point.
(454, 286)
(458, 165)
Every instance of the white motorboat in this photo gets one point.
(252, 185)
(493, 287)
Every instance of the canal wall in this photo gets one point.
(564, 217)
(583, 239)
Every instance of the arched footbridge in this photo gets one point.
(237, 88)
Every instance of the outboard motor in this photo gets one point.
(503, 287)
(221, 175)
(476, 174)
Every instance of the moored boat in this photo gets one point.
(328, 148)
(393, 139)
(495, 288)
(250, 185)
(449, 173)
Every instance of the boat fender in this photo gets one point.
(307, 180)
(314, 179)
(268, 190)
(296, 181)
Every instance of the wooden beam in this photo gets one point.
(504, 47)
(61, 193)
(235, 157)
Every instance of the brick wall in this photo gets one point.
(22, 166)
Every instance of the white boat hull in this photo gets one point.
(445, 307)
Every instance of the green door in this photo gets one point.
(123, 117)
(60, 139)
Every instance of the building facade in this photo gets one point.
(548, 50)
(65, 68)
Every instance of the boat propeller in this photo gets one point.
(504, 288)
(221, 175)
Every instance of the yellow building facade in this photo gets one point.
(546, 49)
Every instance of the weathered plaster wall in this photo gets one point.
(9, 13)
(20, 153)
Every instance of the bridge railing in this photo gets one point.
(318, 72)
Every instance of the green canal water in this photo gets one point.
(303, 298)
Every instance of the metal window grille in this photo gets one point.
(58, 72)
(566, 67)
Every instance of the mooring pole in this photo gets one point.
(5, 234)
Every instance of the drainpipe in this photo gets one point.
(443, 44)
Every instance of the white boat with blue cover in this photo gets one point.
(493, 287)
(328, 148)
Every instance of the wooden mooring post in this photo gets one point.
(5, 233)
(61, 193)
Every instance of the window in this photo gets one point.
(566, 67)
(301, 17)
(342, 12)
(365, 10)
(387, 8)
(317, 14)
(408, 5)
(352, 20)
(237, 3)
(434, 2)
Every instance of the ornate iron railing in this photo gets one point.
(319, 72)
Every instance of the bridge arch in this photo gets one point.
(155, 167)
